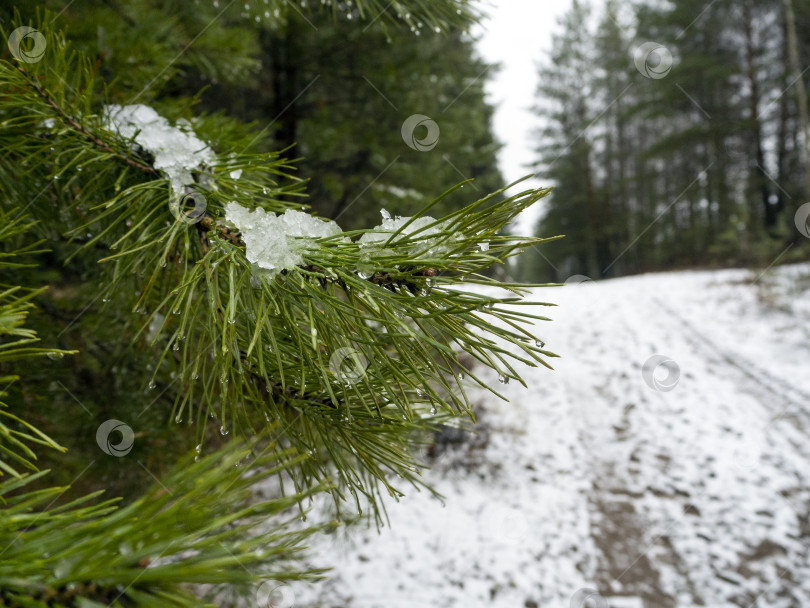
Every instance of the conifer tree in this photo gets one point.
(244, 340)
(672, 134)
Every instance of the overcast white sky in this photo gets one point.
(517, 35)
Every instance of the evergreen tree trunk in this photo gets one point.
(797, 82)
(759, 179)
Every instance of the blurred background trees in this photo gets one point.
(699, 162)
(312, 80)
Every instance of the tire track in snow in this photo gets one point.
(628, 567)
(791, 395)
(701, 555)
(790, 425)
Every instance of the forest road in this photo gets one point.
(700, 488)
(664, 463)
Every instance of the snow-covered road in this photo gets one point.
(594, 479)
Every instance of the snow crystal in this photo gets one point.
(177, 152)
(423, 244)
(270, 241)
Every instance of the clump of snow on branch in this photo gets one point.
(276, 242)
(177, 152)
(429, 236)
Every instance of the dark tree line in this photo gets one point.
(334, 94)
(687, 152)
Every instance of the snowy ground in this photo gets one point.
(696, 496)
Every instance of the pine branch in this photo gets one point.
(87, 552)
(383, 279)
(181, 531)
(81, 129)
(258, 353)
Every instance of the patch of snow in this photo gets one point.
(274, 242)
(423, 244)
(177, 151)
